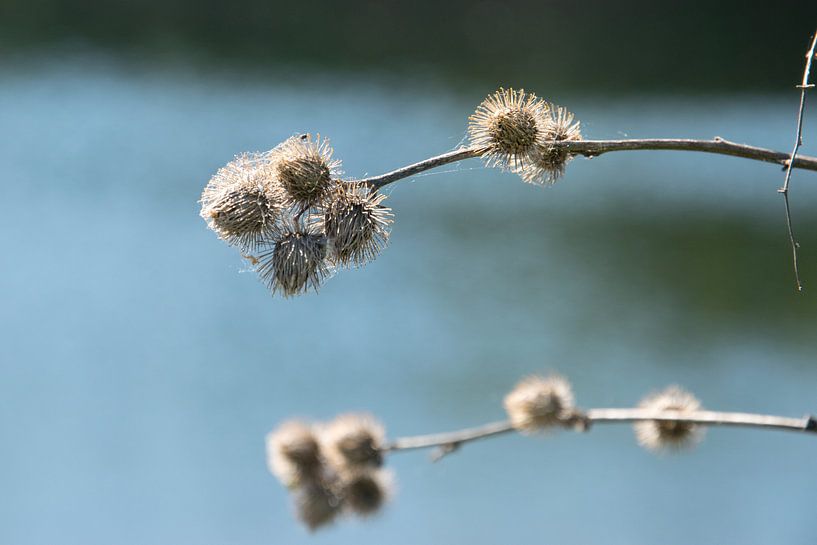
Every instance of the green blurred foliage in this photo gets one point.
(596, 45)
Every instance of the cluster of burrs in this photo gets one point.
(288, 203)
(296, 221)
(335, 469)
(517, 131)
(291, 215)
(331, 469)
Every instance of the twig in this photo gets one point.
(450, 438)
(592, 148)
(450, 441)
(708, 418)
(804, 86)
(798, 141)
(427, 164)
(794, 244)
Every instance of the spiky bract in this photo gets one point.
(537, 403)
(316, 504)
(293, 453)
(365, 492)
(296, 262)
(353, 441)
(243, 202)
(549, 162)
(305, 169)
(669, 435)
(509, 125)
(356, 223)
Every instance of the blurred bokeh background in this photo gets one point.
(141, 366)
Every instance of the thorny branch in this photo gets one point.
(798, 141)
(593, 148)
(448, 442)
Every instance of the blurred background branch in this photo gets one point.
(450, 441)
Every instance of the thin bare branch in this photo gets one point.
(427, 164)
(794, 244)
(450, 441)
(708, 418)
(798, 141)
(798, 137)
(592, 148)
(450, 438)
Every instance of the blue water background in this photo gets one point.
(141, 365)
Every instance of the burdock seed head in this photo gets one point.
(537, 403)
(356, 223)
(365, 492)
(669, 435)
(305, 169)
(297, 260)
(509, 125)
(549, 162)
(293, 453)
(316, 504)
(353, 441)
(243, 201)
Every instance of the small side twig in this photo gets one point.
(448, 442)
(798, 141)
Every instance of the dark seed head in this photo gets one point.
(356, 223)
(243, 202)
(305, 169)
(508, 125)
(297, 261)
